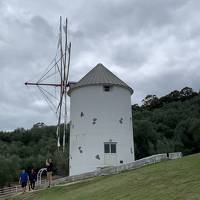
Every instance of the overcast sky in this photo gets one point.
(153, 45)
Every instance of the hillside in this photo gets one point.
(176, 179)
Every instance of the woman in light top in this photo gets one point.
(49, 165)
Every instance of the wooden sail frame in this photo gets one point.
(62, 65)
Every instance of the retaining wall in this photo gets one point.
(175, 155)
(125, 167)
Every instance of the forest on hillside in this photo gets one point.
(167, 124)
(26, 149)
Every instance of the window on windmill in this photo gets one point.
(106, 148)
(106, 88)
(94, 120)
(131, 150)
(121, 120)
(110, 147)
(97, 157)
(80, 150)
(113, 148)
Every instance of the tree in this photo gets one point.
(151, 101)
(173, 96)
(135, 107)
(144, 136)
(186, 92)
(39, 125)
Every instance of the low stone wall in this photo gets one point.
(114, 170)
(175, 155)
(117, 169)
(134, 165)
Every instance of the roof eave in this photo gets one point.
(97, 84)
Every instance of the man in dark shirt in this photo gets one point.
(23, 180)
(49, 165)
(32, 178)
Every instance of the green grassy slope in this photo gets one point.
(169, 180)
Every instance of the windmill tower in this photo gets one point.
(101, 132)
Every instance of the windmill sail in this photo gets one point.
(58, 67)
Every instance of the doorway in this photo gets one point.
(110, 153)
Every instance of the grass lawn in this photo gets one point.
(168, 180)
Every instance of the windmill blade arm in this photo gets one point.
(68, 63)
(42, 84)
(60, 103)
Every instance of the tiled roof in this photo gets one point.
(99, 75)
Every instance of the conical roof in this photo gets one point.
(99, 75)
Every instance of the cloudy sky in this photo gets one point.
(153, 45)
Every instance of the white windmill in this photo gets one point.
(101, 132)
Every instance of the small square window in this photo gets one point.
(106, 88)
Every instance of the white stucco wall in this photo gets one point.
(107, 108)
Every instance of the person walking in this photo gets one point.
(23, 180)
(49, 165)
(32, 179)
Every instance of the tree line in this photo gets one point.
(29, 149)
(166, 124)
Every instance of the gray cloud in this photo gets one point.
(152, 45)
